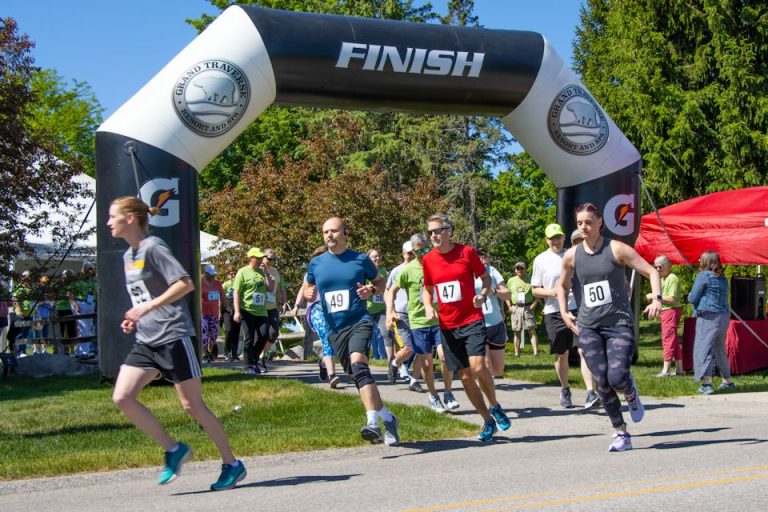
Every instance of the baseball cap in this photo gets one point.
(210, 270)
(88, 265)
(576, 236)
(255, 252)
(408, 246)
(553, 230)
(520, 264)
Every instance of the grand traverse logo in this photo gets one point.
(211, 97)
(576, 122)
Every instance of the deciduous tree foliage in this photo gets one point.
(36, 164)
(283, 206)
(687, 81)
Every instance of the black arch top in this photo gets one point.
(338, 61)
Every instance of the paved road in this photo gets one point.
(698, 453)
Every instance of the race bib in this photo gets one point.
(213, 295)
(487, 306)
(138, 293)
(258, 299)
(337, 301)
(597, 294)
(378, 298)
(449, 292)
(521, 298)
(271, 297)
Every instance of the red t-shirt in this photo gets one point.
(453, 275)
(211, 294)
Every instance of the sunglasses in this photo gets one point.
(436, 231)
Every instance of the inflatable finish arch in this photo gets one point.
(250, 58)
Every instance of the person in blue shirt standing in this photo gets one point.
(709, 296)
(336, 277)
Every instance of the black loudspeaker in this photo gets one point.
(748, 297)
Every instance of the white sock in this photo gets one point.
(414, 380)
(372, 417)
(394, 363)
(384, 414)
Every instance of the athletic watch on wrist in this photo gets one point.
(658, 297)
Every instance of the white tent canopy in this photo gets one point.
(45, 245)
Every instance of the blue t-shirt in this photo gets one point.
(336, 277)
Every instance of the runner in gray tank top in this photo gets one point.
(165, 345)
(605, 319)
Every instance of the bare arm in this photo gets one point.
(629, 257)
(563, 287)
(177, 290)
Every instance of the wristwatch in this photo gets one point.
(658, 298)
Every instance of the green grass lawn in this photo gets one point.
(541, 368)
(66, 425)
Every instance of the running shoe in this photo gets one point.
(391, 436)
(450, 401)
(593, 401)
(726, 386)
(436, 404)
(706, 389)
(173, 462)
(323, 370)
(565, 398)
(636, 409)
(230, 475)
(489, 428)
(502, 420)
(621, 442)
(253, 370)
(416, 387)
(391, 372)
(371, 433)
(335, 380)
(264, 368)
(404, 373)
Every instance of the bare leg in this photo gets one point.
(473, 391)
(589, 380)
(561, 367)
(484, 378)
(130, 382)
(191, 397)
(516, 338)
(534, 341)
(495, 362)
(447, 374)
(428, 371)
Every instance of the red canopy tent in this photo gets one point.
(734, 223)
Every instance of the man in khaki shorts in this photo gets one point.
(521, 305)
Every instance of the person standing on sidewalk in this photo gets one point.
(337, 277)
(521, 304)
(165, 345)
(605, 319)
(709, 296)
(450, 270)
(250, 305)
(211, 295)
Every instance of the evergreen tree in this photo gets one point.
(687, 81)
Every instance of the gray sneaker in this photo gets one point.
(636, 408)
(415, 386)
(593, 401)
(565, 398)
(391, 437)
(371, 433)
(450, 401)
(436, 404)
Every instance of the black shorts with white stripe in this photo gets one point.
(176, 361)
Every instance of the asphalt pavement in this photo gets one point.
(690, 453)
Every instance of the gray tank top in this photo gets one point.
(604, 299)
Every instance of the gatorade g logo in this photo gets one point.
(619, 214)
(162, 193)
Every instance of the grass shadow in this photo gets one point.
(86, 429)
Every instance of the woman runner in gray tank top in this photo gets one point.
(164, 346)
(605, 319)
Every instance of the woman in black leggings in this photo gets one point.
(605, 319)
